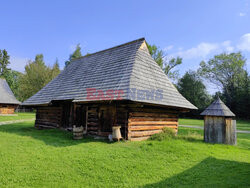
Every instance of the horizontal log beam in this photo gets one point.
(134, 119)
(144, 133)
(141, 128)
(144, 114)
(152, 123)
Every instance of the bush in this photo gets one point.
(166, 134)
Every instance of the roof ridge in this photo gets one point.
(117, 46)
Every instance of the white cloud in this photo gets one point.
(242, 14)
(201, 50)
(244, 43)
(204, 49)
(168, 48)
(18, 63)
(227, 46)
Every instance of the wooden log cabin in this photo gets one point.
(120, 86)
(8, 102)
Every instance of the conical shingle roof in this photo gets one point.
(6, 95)
(218, 108)
(128, 67)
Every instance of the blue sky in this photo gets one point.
(194, 30)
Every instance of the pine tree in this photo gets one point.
(4, 62)
(76, 54)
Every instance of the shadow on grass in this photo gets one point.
(210, 172)
(52, 137)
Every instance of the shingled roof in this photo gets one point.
(218, 108)
(124, 67)
(6, 95)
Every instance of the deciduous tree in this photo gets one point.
(36, 76)
(228, 72)
(167, 64)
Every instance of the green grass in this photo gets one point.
(50, 158)
(18, 116)
(241, 124)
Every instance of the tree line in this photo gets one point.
(227, 71)
(36, 75)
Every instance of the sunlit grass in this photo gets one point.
(51, 158)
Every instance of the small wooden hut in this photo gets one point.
(118, 87)
(8, 101)
(219, 125)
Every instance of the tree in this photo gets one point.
(227, 71)
(193, 89)
(4, 62)
(165, 63)
(36, 76)
(224, 70)
(55, 69)
(12, 77)
(76, 54)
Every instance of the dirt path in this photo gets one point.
(16, 121)
(199, 127)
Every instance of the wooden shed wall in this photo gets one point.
(220, 130)
(48, 117)
(145, 121)
(7, 108)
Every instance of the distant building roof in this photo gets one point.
(124, 67)
(218, 108)
(6, 95)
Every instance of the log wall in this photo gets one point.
(7, 108)
(48, 117)
(145, 122)
(137, 121)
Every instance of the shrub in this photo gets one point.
(166, 134)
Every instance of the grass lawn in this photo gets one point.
(241, 124)
(19, 116)
(50, 158)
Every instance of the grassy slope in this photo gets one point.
(50, 158)
(19, 116)
(241, 124)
